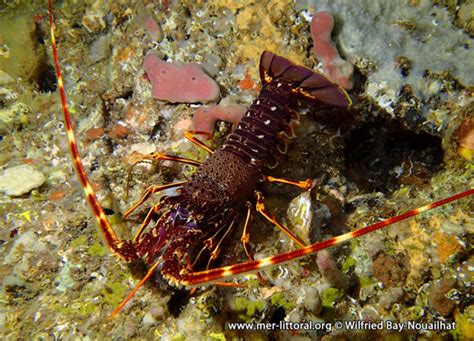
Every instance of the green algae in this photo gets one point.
(348, 263)
(87, 308)
(366, 281)
(178, 337)
(330, 296)
(415, 313)
(114, 293)
(280, 300)
(217, 336)
(248, 307)
(79, 241)
(97, 249)
(464, 325)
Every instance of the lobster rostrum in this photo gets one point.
(192, 225)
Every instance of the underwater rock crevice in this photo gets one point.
(383, 155)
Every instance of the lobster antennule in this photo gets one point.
(307, 84)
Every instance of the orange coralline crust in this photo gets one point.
(446, 246)
(247, 83)
(94, 133)
(118, 131)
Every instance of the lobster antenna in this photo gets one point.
(109, 234)
(205, 277)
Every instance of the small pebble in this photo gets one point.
(148, 319)
(312, 300)
(5, 78)
(391, 296)
(143, 148)
(391, 270)
(437, 297)
(100, 49)
(157, 312)
(18, 180)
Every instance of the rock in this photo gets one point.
(391, 296)
(100, 49)
(392, 271)
(312, 300)
(414, 32)
(18, 180)
(20, 54)
(437, 297)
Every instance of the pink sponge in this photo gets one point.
(336, 68)
(179, 83)
(206, 116)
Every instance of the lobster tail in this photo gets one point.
(306, 83)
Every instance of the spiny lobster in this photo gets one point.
(193, 224)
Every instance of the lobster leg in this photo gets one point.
(209, 276)
(260, 207)
(215, 254)
(209, 244)
(306, 185)
(189, 135)
(152, 269)
(217, 249)
(149, 216)
(129, 297)
(245, 241)
(151, 190)
(159, 156)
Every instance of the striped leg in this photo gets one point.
(215, 252)
(215, 275)
(151, 190)
(150, 272)
(306, 185)
(260, 207)
(153, 210)
(159, 157)
(245, 239)
(209, 244)
(189, 134)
